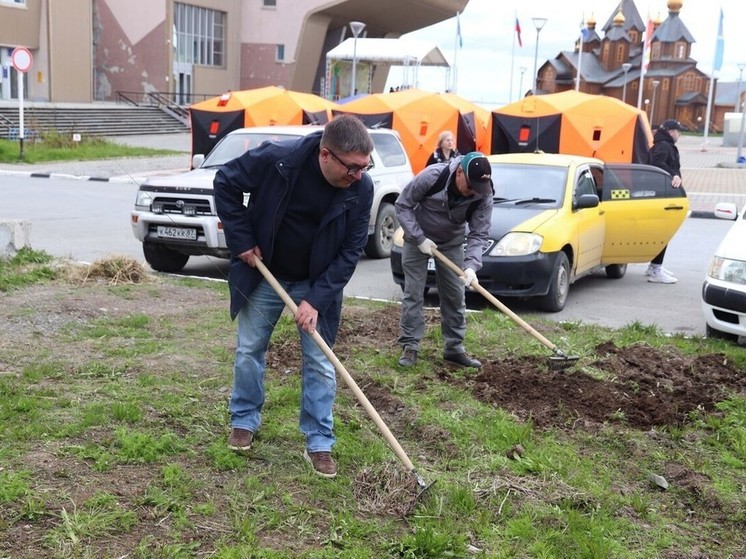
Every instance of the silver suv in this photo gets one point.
(175, 217)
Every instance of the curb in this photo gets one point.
(38, 175)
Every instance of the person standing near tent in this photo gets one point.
(307, 220)
(445, 149)
(665, 155)
(434, 209)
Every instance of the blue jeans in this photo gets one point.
(256, 322)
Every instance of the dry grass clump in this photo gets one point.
(115, 269)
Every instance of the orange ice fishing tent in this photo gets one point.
(574, 123)
(266, 106)
(419, 117)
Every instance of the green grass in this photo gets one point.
(58, 147)
(113, 428)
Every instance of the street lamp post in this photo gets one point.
(656, 83)
(357, 28)
(626, 66)
(739, 153)
(520, 82)
(538, 23)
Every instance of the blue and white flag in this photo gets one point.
(719, 45)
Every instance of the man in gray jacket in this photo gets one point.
(434, 210)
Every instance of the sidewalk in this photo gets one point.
(125, 169)
(710, 172)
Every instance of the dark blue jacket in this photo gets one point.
(269, 173)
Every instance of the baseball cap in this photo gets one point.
(478, 172)
(671, 124)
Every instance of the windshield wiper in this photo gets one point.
(536, 201)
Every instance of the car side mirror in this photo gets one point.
(197, 160)
(726, 210)
(586, 201)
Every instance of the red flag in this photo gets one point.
(518, 32)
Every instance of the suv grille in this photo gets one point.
(177, 206)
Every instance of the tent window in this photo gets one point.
(270, 3)
(280, 54)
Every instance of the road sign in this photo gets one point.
(21, 59)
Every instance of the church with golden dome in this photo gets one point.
(672, 87)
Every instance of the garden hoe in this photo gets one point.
(560, 360)
(350, 382)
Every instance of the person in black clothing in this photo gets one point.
(445, 150)
(665, 155)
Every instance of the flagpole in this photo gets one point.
(512, 62)
(717, 63)
(455, 53)
(580, 60)
(645, 60)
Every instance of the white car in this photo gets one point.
(724, 289)
(175, 217)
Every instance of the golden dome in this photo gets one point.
(675, 5)
(619, 18)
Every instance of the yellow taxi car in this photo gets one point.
(557, 218)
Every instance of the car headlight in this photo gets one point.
(726, 269)
(144, 198)
(517, 244)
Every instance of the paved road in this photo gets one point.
(74, 217)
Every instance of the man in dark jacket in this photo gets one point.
(665, 154)
(307, 220)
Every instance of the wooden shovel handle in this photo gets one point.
(497, 303)
(349, 381)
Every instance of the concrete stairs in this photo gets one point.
(87, 120)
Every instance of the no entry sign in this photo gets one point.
(21, 59)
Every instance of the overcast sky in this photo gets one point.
(487, 29)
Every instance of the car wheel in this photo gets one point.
(711, 332)
(382, 239)
(164, 259)
(616, 271)
(559, 288)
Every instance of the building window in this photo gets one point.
(666, 84)
(620, 53)
(655, 51)
(270, 3)
(633, 36)
(680, 50)
(22, 2)
(280, 56)
(689, 82)
(200, 35)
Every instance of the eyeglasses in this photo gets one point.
(352, 170)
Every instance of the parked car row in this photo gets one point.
(556, 218)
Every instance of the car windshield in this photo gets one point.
(234, 145)
(529, 184)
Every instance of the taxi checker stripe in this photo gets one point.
(620, 194)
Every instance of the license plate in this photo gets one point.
(177, 233)
(430, 264)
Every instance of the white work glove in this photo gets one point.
(469, 278)
(427, 246)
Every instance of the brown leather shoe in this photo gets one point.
(322, 463)
(240, 439)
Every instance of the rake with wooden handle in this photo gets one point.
(560, 360)
(349, 381)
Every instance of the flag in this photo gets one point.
(458, 31)
(646, 47)
(518, 31)
(719, 45)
